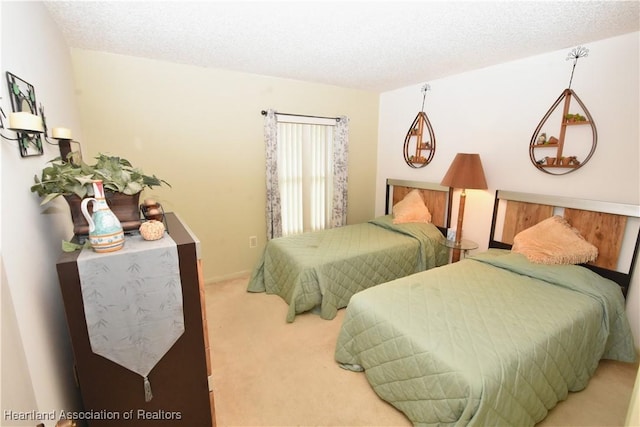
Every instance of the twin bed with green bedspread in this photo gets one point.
(323, 269)
(490, 340)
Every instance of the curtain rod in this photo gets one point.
(337, 119)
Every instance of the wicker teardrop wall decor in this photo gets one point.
(570, 149)
(420, 142)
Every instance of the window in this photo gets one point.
(305, 173)
(314, 172)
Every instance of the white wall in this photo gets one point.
(34, 50)
(494, 112)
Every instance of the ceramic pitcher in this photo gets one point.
(105, 230)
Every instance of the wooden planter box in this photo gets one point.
(124, 206)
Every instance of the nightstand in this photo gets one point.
(464, 246)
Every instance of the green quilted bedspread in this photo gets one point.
(325, 268)
(491, 340)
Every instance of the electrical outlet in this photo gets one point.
(253, 241)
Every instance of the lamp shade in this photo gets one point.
(465, 172)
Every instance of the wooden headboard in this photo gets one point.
(437, 198)
(603, 224)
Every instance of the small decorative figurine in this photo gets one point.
(152, 230)
(542, 138)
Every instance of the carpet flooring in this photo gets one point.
(267, 372)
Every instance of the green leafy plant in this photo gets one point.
(117, 174)
(67, 178)
(575, 117)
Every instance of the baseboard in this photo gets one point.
(217, 279)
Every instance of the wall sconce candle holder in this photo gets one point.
(29, 127)
(64, 140)
(24, 120)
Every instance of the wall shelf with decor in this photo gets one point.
(420, 142)
(570, 150)
(418, 152)
(551, 153)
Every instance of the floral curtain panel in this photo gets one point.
(340, 151)
(274, 213)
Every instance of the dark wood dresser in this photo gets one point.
(111, 394)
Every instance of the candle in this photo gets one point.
(61, 133)
(23, 121)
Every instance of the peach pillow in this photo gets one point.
(411, 209)
(554, 241)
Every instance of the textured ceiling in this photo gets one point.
(369, 45)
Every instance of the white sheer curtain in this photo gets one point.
(305, 152)
(306, 173)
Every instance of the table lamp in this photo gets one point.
(465, 172)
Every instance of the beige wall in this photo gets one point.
(633, 413)
(201, 130)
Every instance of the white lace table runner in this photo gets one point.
(133, 302)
